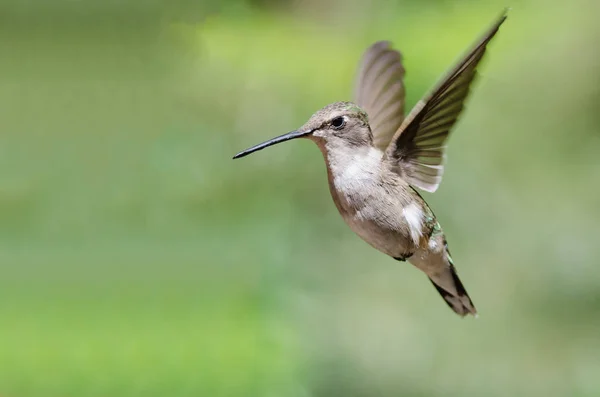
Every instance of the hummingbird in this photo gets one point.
(376, 158)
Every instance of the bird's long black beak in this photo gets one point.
(274, 141)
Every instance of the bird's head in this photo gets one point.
(340, 124)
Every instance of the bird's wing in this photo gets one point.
(380, 92)
(417, 148)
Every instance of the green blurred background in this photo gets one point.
(138, 259)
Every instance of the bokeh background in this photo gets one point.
(138, 259)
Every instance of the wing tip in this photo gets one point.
(499, 21)
(382, 43)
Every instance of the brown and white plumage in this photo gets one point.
(380, 91)
(418, 147)
(375, 157)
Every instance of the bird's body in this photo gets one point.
(387, 213)
(377, 204)
(374, 157)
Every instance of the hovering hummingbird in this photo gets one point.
(376, 157)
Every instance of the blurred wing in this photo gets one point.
(417, 148)
(380, 91)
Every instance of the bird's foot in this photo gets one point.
(404, 257)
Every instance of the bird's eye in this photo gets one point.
(338, 122)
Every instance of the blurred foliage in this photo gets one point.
(138, 259)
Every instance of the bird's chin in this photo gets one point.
(320, 141)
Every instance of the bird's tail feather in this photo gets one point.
(459, 301)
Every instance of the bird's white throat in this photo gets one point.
(356, 167)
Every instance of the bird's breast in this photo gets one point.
(369, 203)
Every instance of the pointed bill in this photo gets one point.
(417, 148)
(271, 142)
(380, 91)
